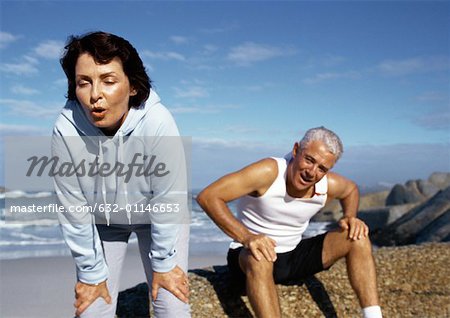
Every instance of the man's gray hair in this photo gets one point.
(329, 138)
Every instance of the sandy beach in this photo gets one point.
(43, 287)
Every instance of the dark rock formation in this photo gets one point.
(440, 179)
(333, 210)
(428, 221)
(378, 218)
(418, 190)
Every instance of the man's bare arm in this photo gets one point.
(347, 193)
(254, 179)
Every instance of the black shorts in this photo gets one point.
(291, 267)
(120, 232)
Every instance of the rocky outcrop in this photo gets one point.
(429, 221)
(333, 210)
(381, 209)
(413, 281)
(440, 179)
(418, 190)
(378, 218)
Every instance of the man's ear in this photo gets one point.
(133, 92)
(295, 150)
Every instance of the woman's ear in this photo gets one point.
(133, 92)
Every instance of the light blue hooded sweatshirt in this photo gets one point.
(76, 140)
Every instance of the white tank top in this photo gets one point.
(277, 214)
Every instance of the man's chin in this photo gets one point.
(303, 186)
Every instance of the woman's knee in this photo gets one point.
(167, 305)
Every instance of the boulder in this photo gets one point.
(418, 190)
(426, 188)
(378, 218)
(332, 212)
(440, 179)
(428, 221)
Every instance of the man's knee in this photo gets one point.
(362, 245)
(253, 267)
(338, 244)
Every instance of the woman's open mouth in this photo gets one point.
(98, 113)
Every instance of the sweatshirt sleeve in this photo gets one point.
(79, 230)
(169, 192)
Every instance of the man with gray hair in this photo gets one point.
(277, 199)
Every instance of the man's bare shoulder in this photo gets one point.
(338, 184)
(263, 172)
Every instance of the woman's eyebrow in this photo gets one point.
(108, 74)
(112, 73)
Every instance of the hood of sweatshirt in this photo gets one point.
(107, 191)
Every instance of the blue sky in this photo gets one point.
(246, 79)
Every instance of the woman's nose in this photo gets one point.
(95, 92)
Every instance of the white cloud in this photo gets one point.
(242, 130)
(432, 96)
(32, 109)
(226, 28)
(260, 87)
(6, 39)
(177, 39)
(327, 60)
(22, 90)
(61, 81)
(332, 76)
(24, 68)
(249, 53)
(49, 49)
(196, 109)
(30, 59)
(191, 92)
(414, 65)
(166, 56)
(209, 49)
(436, 119)
(188, 110)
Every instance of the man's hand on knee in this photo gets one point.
(261, 246)
(356, 228)
(175, 281)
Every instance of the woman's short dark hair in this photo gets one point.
(104, 47)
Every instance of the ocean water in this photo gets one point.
(42, 237)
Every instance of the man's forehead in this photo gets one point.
(317, 148)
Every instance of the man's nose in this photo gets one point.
(312, 171)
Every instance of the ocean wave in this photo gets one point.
(5, 224)
(32, 243)
(209, 239)
(16, 194)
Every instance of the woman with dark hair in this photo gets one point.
(114, 121)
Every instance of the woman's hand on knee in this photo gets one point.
(86, 294)
(176, 281)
